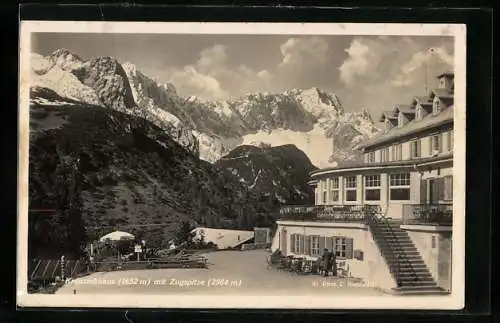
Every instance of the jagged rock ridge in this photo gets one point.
(309, 118)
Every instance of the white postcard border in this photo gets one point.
(453, 301)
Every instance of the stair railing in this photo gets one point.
(375, 214)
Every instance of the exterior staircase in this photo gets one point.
(403, 259)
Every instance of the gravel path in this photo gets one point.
(229, 272)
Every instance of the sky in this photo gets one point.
(365, 72)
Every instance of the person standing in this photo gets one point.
(332, 263)
(324, 262)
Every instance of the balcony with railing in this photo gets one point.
(428, 214)
(328, 213)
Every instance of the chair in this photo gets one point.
(342, 269)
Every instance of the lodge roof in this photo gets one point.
(403, 163)
(414, 126)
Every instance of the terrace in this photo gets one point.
(328, 213)
(413, 214)
(428, 214)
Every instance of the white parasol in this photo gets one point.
(117, 235)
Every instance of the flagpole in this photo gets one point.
(426, 89)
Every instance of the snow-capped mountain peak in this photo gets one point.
(309, 118)
(66, 59)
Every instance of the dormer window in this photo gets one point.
(418, 113)
(437, 106)
(401, 120)
(371, 157)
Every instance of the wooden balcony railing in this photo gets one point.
(328, 213)
(428, 214)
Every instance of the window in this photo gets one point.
(437, 106)
(324, 197)
(335, 189)
(384, 154)
(372, 188)
(370, 157)
(399, 187)
(433, 242)
(448, 188)
(297, 243)
(436, 144)
(343, 247)
(350, 188)
(396, 152)
(415, 147)
(315, 250)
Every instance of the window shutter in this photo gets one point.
(301, 244)
(292, 243)
(307, 245)
(441, 139)
(419, 144)
(349, 248)
(430, 146)
(423, 191)
(434, 195)
(450, 183)
(333, 246)
(440, 182)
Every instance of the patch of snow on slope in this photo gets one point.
(66, 85)
(213, 147)
(43, 101)
(313, 143)
(255, 179)
(39, 64)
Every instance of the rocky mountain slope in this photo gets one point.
(281, 172)
(99, 167)
(311, 119)
(102, 81)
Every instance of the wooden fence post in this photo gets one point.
(62, 268)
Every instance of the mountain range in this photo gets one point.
(111, 147)
(313, 120)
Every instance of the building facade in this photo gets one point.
(407, 176)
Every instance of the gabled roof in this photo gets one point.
(388, 115)
(403, 108)
(224, 238)
(428, 122)
(442, 94)
(446, 74)
(421, 100)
